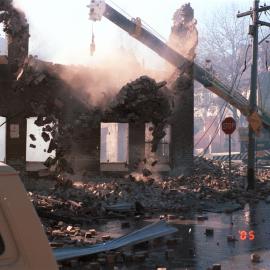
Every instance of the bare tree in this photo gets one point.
(224, 40)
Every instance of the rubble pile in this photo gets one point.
(209, 183)
(143, 100)
(71, 211)
(62, 208)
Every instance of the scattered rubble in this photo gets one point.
(255, 258)
(146, 172)
(147, 233)
(129, 195)
(231, 238)
(202, 218)
(209, 231)
(69, 212)
(216, 267)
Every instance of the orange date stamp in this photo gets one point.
(246, 235)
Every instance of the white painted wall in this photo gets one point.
(3, 41)
(36, 154)
(3, 139)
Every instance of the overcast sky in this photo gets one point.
(61, 32)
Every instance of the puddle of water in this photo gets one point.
(197, 251)
(253, 223)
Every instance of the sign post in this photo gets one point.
(230, 155)
(228, 127)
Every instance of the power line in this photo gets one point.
(153, 31)
(206, 131)
(218, 127)
(124, 12)
(145, 24)
(215, 133)
(253, 31)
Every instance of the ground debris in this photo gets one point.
(205, 189)
(255, 258)
(216, 267)
(69, 211)
(146, 172)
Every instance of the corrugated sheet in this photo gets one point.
(147, 233)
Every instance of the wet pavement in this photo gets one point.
(196, 250)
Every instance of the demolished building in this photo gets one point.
(78, 131)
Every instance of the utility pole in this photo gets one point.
(253, 31)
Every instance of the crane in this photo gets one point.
(99, 8)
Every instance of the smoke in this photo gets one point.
(143, 100)
(102, 82)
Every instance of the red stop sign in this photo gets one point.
(228, 125)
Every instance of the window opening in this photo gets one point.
(36, 147)
(114, 143)
(2, 245)
(162, 155)
(3, 130)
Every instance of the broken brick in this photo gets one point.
(146, 172)
(45, 136)
(33, 138)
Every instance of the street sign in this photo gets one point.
(228, 125)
